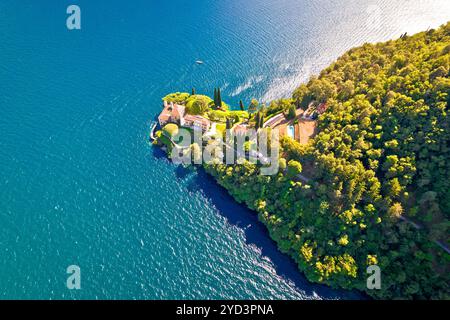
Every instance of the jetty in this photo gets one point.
(152, 130)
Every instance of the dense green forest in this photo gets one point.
(378, 169)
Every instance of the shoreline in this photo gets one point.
(284, 264)
(257, 233)
(369, 204)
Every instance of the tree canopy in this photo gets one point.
(379, 160)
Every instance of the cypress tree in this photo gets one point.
(257, 119)
(193, 91)
(215, 97)
(219, 98)
(241, 105)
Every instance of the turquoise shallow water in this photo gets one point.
(79, 182)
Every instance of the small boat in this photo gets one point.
(199, 62)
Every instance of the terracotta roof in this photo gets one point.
(164, 116)
(171, 110)
(178, 111)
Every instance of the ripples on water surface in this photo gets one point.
(79, 183)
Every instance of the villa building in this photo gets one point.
(196, 122)
(175, 113)
(302, 128)
(172, 113)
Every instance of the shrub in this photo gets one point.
(198, 104)
(170, 129)
(177, 97)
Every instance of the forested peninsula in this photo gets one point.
(376, 174)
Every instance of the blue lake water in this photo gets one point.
(80, 184)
